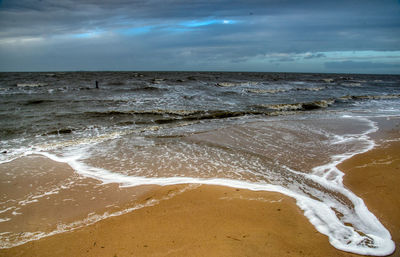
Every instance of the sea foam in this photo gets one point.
(366, 235)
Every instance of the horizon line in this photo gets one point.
(205, 71)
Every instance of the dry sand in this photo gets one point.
(221, 221)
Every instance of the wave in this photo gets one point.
(60, 131)
(136, 88)
(83, 120)
(370, 97)
(147, 88)
(159, 116)
(352, 84)
(309, 88)
(306, 106)
(321, 104)
(279, 90)
(30, 85)
(147, 112)
(166, 116)
(266, 91)
(158, 80)
(37, 101)
(233, 84)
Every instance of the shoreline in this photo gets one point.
(204, 221)
(374, 176)
(223, 221)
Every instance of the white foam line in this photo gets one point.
(91, 218)
(7, 209)
(34, 198)
(365, 222)
(16, 156)
(320, 214)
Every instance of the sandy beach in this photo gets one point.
(201, 220)
(375, 176)
(205, 221)
(199, 128)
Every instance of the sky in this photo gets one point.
(340, 36)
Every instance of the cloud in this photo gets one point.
(219, 31)
(314, 55)
(351, 65)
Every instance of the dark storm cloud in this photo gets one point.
(290, 16)
(188, 34)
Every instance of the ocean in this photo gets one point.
(280, 132)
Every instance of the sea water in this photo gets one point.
(259, 131)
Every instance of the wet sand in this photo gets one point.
(220, 221)
(51, 193)
(204, 221)
(375, 177)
